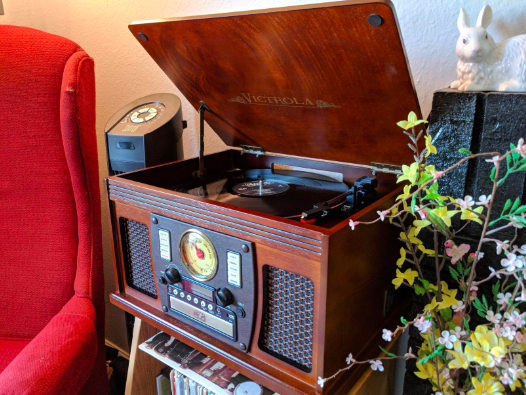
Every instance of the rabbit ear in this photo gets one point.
(463, 20)
(485, 17)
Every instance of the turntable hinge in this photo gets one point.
(384, 168)
(251, 149)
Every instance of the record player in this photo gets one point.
(246, 254)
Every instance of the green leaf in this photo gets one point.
(485, 302)
(509, 286)
(464, 151)
(387, 352)
(413, 204)
(438, 351)
(507, 205)
(515, 205)
(481, 374)
(419, 290)
(460, 268)
(437, 221)
(520, 210)
(424, 178)
(447, 314)
(492, 175)
(496, 290)
(454, 273)
(425, 283)
(466, 324)
(508, 161)
(403, 320)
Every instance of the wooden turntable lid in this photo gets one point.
(319, 81)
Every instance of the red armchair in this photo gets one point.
(51, 286)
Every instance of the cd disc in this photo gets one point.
(276, 194)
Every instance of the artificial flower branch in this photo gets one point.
(455, 357)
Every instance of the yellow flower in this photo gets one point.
(412, 238)
(410, 173)
(431, 149)
(460, 359)
(411, 122)
(426, 250)
(431, 306)
(408, 275)
(485, 345)
(407, 191)
(426, 371)
(444, 214)
(448, 300)
(472, 215)
(401, 260)
(488, 386)
(420, 224)
(393, 213)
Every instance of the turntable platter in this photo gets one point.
(262, 190)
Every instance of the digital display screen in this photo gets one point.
(198, 290)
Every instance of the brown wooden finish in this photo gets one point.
(143, 369)
(348, 269)
(316, 81)
(326, 52)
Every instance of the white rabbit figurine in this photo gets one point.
(484, 65)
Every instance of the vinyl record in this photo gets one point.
(261, 190)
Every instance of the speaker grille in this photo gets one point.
(287, 329)
(137, 261)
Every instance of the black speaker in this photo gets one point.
(144, 133)
(287, 326)
(137, 259)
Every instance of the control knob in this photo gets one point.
(172, 275)
(224, 297)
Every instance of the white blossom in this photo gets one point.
(466, 203)
(505, 379)
(492, 317)
(387, 335)
(493, 160)
(484, 200)
(522, 297)
(447, 339)
(458, 307)
(352, 224)
(503, 298)
(349, 359)
(493, 271)
(382, 214)
(521, 149)
(458, 332)
(512, 262)
(321, 382)
(377, 365)
(502, 246)
(515, 318)
(521, 250)
(508, 332)
(422, 324)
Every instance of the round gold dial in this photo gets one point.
(198, 255)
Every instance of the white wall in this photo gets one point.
(125, 72)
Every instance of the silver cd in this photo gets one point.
(261, 188)
(248, 388)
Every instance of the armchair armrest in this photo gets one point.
(60, 358)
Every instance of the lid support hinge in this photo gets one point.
(385, 168)
(251, 149)
(202, 170)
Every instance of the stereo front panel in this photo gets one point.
(205, 279)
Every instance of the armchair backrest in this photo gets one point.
(49, 194)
